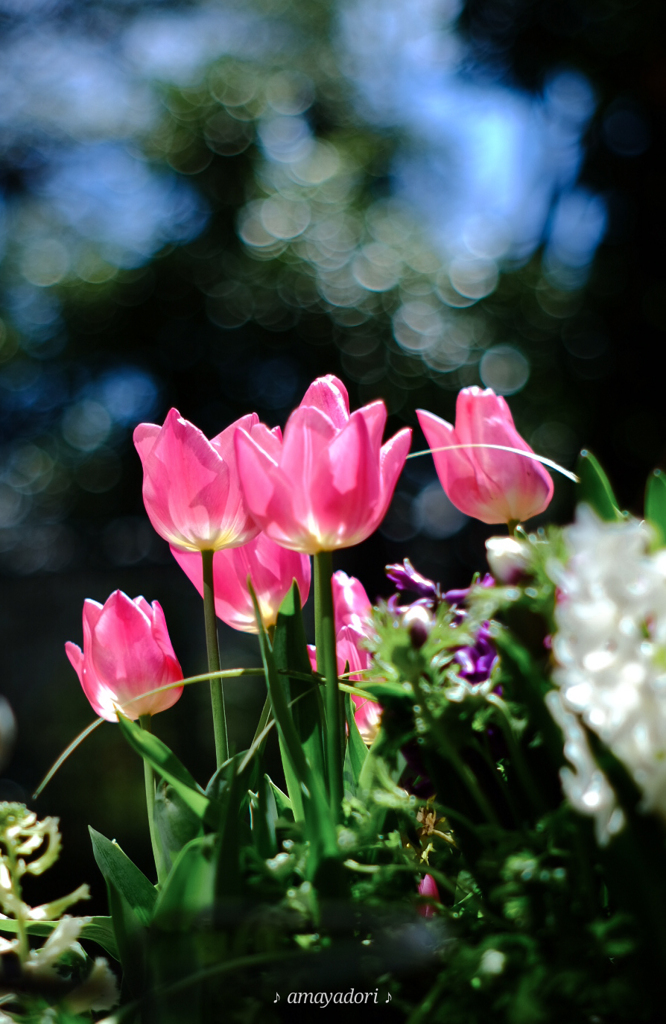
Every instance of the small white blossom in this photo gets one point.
(508, 558)
(611, 647)
(586, 788)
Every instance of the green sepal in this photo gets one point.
(166, 764)
(595, 489)
(96, 929)
(655, 503)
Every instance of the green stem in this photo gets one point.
(511, 526)
(213, 651)
(328, 667)
(160, 866)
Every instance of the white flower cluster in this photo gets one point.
(611, 653)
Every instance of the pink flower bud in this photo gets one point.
(490, 485)
(271, 569)
(190, 484)
(126, 652)
(352, 653)
(329, 484)
(428, 887)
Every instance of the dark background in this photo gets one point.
(140, 144)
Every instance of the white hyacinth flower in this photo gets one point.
(611, 651)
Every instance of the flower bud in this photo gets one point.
(509, 559)
(418, 620)
(428, 888)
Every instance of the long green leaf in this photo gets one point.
(131, 902)
(356, 748)
(95, 929)
(291, 655)
(123, 873)
(319, 826)
(264, 817)
(282, 801)
(170, 768)
(595, 489)
(189, 889)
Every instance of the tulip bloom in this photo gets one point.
(126, 652)
(487, 484)
(190, 484)
(329, 483)
(350, 602)
(271, 569)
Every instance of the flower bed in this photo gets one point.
(470, 823)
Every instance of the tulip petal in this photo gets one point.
(347, 487)
(391, 460)
(257, 474)
(329, 395)
(145, 435)
(374, 415)
(350, 601)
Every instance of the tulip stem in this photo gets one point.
(160, 867)
(328, 667)
(213, 651)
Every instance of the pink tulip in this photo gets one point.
(350, 601)
(126, 652)
(272, 570)
(352, 653)
(428, 887)
(190, 484)
(487, 484)
(329, 483)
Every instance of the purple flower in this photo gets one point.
(406, 577)
(460, 596)
(478, 659)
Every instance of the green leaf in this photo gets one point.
(96, 929)
(595, 489)
(131, 902)
(264, 817)
(319, 826)
(189, 890)
(122, 873)
(282, 801)
(356, 748)
(303, 692)
(157, 754)
(175, 821)
(655, 503)
(229, 840)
